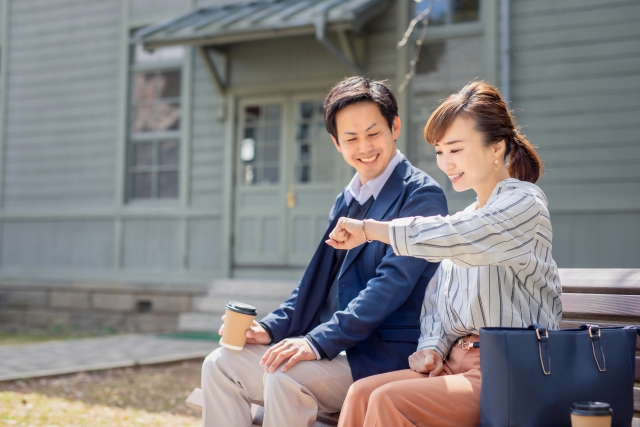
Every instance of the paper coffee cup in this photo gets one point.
(591, 414)
(238, 318)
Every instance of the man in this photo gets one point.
(365, 302)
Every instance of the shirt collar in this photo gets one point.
(355, 189)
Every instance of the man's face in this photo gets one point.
(365, 140)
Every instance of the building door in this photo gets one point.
(288, 174)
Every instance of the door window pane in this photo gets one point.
(263, 128)
(315, 155)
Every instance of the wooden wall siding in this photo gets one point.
(151, 244)
(57, 244)
(380, 39)
(62, 104)
(153, 10)
(576, 87)
(592, 240)
(283, 60)
(207, 142)
(205, 244)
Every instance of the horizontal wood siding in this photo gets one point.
(62, 115)
(575, 89)
(154, 10)
(380, 39)
(592, 240)
(207, 141)
(57, 244)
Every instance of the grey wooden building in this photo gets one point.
(207, 156)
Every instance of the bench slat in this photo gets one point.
(603, 305)
(600, 280)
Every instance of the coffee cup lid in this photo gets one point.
(240, 307)
(591, 408)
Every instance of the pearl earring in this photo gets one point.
(496, 165)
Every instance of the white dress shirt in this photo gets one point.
(496, 269)
(361, 193)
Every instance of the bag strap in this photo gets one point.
(596, 346)
(543, 349)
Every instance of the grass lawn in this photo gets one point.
(142, 396)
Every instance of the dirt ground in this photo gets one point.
(141, 396)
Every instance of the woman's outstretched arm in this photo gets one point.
(501, 233)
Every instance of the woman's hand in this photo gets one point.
(427, 362)
(347, 234)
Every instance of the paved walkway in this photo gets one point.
(90, 354)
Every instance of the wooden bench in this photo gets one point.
(605, 297)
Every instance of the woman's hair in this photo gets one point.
(358, 89)
(482, 103)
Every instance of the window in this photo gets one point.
(260, 145)
(314, 149)
(446, 12)
(154, 125)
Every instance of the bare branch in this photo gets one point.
(424, 17)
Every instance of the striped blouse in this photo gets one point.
(496, 269)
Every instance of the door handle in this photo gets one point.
(291, 198)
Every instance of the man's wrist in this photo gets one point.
(266, 328)
(316, 347)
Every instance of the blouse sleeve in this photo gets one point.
(500, 233)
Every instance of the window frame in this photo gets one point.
(154, 137)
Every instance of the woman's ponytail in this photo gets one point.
(524, 162)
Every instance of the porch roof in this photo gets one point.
(259, 20)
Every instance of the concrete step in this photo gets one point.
(265, 295)
(240, 287)
(199, 322)
(217, 304)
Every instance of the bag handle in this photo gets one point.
(543, 337)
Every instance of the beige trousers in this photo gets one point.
(233, 380)
(407, 398)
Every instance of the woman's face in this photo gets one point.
(465, 159)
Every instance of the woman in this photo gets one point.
(496, 269)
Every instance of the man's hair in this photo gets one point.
(358, 89)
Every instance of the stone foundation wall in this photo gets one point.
(95, 307)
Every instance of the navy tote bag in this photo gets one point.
(531, 376)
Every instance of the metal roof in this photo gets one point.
(258, 20)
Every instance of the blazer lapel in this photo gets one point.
(389, 194)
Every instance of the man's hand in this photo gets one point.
(255, 335)
(426, 361)
(347, 234)
(294, 349)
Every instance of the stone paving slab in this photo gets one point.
(90, 354)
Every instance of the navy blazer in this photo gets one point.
(379, 294)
